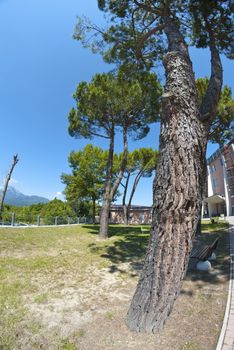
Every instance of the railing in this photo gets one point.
(14, 220)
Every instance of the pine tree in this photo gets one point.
(148, 31)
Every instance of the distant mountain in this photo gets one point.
(14, 197)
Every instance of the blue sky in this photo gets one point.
(40, 66)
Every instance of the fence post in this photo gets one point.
(38, 220)
(56, 220)
(68, 220)
(12, 219)
(78, 220)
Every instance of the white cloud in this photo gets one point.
(13, 181)
(58, 195)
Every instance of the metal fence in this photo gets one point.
(15, 220)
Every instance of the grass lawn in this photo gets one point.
(64, 289)
(207, 226)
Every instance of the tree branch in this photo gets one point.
(147, 8)
(147, 36)
(121, 184)
(125, 189)
(210, 101)
(136, 181)
(176, 40)
(99, 135)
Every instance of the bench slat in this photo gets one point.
(204, 252)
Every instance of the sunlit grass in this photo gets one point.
(216, 226)
(55, 255)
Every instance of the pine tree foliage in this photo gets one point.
(220, 130)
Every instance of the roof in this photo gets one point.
(119, 207)
(215, 199)
(219, 151)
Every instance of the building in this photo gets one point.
(138, 214)
(220, 200)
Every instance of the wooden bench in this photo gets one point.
(204, 252)
(145, 229)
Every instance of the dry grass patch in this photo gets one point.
(63, 288)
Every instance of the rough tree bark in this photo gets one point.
(8, 177)
(110, 190)
(177, 192)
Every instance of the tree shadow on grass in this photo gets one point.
(115, 230)
(131, 248)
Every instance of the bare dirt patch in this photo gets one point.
(79, 300)
(98, 306)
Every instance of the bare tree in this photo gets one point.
(7, 179)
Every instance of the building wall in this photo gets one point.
(221, 179)
(215, 169)
(140, 217)
(143, 217)
(228, 155)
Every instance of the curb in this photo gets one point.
(229, 298)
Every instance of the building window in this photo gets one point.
(142, 217)
(212, 168)
(215, 182)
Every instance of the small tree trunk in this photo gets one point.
(123, 164)
(110, 191)
(177, 196)
(8, 177)
(128, 206)
(94, 210)
(125, 214)
(128, 213)
(104, 217)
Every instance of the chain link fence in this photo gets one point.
(17, 220)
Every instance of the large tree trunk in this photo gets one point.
(204, 194)
(177, 195)
(8, 177)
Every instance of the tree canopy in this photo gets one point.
(136, 29)
(115, 100)
(220, 131)
(88, 176)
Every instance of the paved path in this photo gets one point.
(227, 334)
